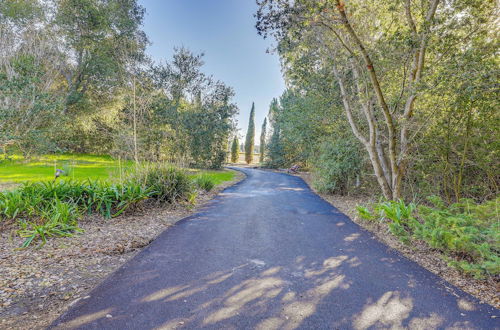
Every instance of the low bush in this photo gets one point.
(336, 166)
(468, 234)
(167, 183)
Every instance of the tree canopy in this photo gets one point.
(75, 77)
(410, 80)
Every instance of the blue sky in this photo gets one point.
(225, 31)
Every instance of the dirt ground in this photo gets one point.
(38, 284)
(487, 291)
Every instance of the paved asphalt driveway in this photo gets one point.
(268, 253)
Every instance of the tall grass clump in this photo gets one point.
(466, 233)
(204, 182)
(166, 183)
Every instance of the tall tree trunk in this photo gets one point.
(370, 145)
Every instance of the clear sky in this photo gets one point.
(225, 31)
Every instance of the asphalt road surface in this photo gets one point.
(268, 253)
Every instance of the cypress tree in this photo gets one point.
(263, 140)
(249, 141)
(235, 150)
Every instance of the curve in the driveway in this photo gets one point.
(268, 253)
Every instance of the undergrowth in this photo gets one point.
(467, 233)
(45, 209)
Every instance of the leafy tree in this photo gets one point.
(196, 110)
(235, 150)
(383, 58)
(249, 141)
(74, 77)
(263, 140)
(105, 39)
(29, 112)
(30, 103)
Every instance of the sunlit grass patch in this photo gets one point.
(81, 167)
(76, 166)
(220, 176)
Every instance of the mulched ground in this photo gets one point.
(487, 290)
(38, 284)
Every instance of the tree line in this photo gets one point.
(399, 95)
(74, 77)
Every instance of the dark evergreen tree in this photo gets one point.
(249, 141)
(263, 140)
(274, 149)
(235, 150)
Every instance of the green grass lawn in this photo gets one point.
(78, 166)
(218, 176)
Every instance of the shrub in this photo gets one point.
(167, 183)
(205, 182)
(337, 165)
(468, 234)
(466, 230)
(45, 209)
(67, 169)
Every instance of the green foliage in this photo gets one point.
(468, 230)
(20, 11)
(365, 213)
(263, 136)
(45, 209)
(106, 38)
(275, 150)
(57, 218)
(235, 150)
(468, 234)
(74, 78)
(427, 126)
(205, 182)
(166, 183)
(187, 115)
(338, 163)
(275, 147)
(249, 141)
(28, 110)
(218, 176)
(68, 169)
